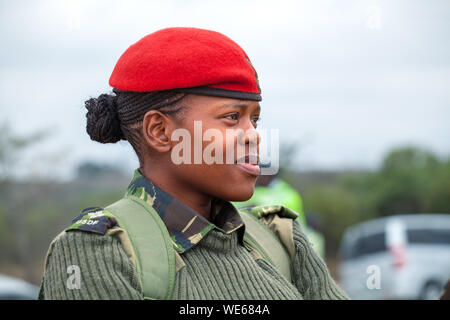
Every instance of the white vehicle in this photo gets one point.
(12, 288)
(397, 257)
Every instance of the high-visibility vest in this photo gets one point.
(277, 192)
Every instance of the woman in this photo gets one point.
(183, 82)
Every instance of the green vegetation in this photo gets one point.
(410, 180)
(32, 213)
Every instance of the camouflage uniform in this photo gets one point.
(108, 267)
(185, 226)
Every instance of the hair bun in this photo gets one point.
(103, 124)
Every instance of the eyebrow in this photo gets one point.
(239, 105)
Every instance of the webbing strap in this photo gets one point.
(263, 240)
(153, 248)
(155, 256)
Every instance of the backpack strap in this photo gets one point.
(265, 241)
(153, 248)
(152, 245)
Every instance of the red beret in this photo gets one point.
(189, 59)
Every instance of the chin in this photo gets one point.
(240, 194)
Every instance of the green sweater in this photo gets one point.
(218, 267)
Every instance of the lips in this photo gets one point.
(249, 164)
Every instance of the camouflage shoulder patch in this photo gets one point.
(93, 219)
(262, 211)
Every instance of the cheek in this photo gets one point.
(228, 182)
(216, 175)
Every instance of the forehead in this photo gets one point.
(200, 103)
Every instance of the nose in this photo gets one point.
(250, 136)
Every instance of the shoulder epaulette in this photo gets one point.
(261, 211)
(93, 219)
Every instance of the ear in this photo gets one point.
(157, 130)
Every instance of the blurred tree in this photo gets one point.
(336, 207)
(11, 147)
(410, 180)
(32, 212)
(407, 159)
(437, 196)
(404, 181)
(89, 170)
(13, 203)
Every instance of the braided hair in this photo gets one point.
(119, 116)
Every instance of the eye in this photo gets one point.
(256, 120)
(233, 116)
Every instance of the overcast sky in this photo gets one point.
(347, 80)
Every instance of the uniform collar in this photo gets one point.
(186, 227)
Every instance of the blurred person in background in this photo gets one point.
(272, 189)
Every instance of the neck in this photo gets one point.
(162, 178)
